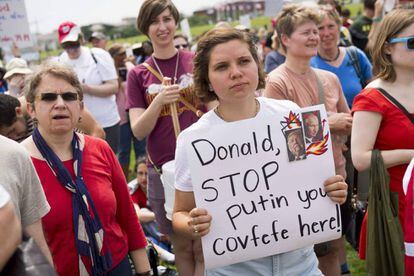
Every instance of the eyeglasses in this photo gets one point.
(71, 46)
(181, 46)
(51, 97)
(143, 173)
(409, 41)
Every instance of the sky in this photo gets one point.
(46, 15)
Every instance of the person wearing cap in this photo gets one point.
(96, 71)
(98, 40)
(142, 51)
(16, 71)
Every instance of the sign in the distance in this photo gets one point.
(261, 180)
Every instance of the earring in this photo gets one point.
(210, 88)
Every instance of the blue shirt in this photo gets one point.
(273, 60)
(350, 82)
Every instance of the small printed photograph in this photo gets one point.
(295, 144)
(312, 126)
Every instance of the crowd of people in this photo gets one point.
(68, 188)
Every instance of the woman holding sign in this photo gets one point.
(227, 69)
(163, 81)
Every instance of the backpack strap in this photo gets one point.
(397, 104)
(353, 56)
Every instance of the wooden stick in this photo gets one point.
(173, 108)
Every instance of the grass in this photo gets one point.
(356, 266)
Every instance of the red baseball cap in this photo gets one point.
(68, 32)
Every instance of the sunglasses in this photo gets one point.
(51, 97)
(71, 46)
(181, 46)
(409, 41)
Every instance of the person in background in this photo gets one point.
(225, 57)
(11, 228)
(118, 53)
(92, 226)
(98, 40)
(138, 190)
(380, 124)
(142, 51)
(181, 42)
(16, 72)
(19, 179)
(349, 64)
(96, 72)
(296, 80)
(275, 57)
(16, 124)
(346, 18)
(361, 27)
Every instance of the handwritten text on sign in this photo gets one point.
(14, 25)
(262, 202)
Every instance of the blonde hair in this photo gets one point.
(291, 17)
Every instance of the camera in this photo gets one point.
(122, 73)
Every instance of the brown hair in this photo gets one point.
(393, 24)
(291, 17)
(205, 46)
(331, 12)
(149, 11)
(55, 69)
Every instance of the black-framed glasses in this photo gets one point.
(51, 97)
(181, 46)
(409, 41)
(142, 173)
(70, 45)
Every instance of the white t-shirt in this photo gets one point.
(4, 197)
(89, 71)
(407, 176)
(182, 170)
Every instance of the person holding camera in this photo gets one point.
(122, 65)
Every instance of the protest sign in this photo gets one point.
(245, 21)
(14, 25)
(185, 29)
(262, 183)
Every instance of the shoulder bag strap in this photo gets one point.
(153, 71)
(397, 104)
(320, 88)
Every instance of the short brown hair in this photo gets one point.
(55, 69)
(331, 12)
(291, 17)
(205, 45)
(149, 11)
(393, 24)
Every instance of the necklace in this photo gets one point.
(176, 66)
(257, 108)
(333, 59)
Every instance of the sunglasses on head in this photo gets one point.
(409, 41)
(183, 46)
(51, 97)
(68, 46)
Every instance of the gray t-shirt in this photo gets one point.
(18, 177)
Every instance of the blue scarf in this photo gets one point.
(88, 227)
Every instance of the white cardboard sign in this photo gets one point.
(262, 199)
(14, 25)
